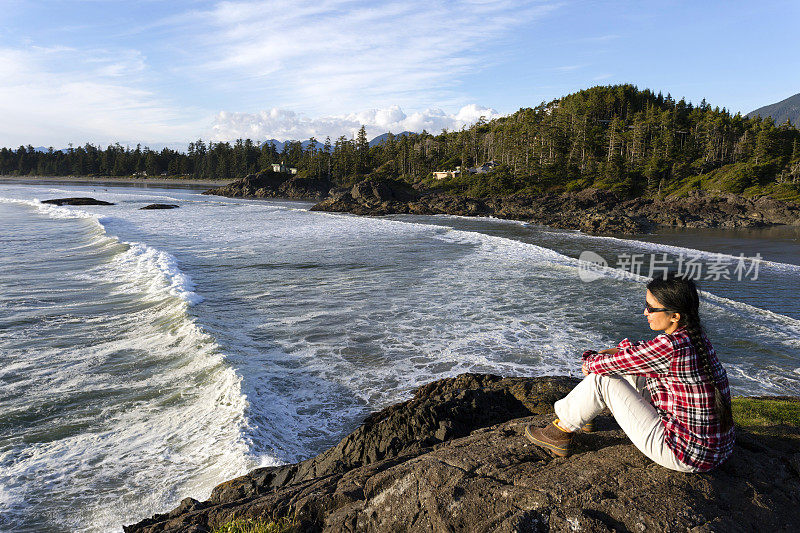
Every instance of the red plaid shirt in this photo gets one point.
(680, 391)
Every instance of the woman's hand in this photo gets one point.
(585, 369)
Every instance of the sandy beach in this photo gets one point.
(116, 180)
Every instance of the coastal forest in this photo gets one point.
(630, 141)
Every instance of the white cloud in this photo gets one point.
(282, 124)
(325, 56)
(53, 96)
(321, 58)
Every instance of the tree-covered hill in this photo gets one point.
(788, 109)
(630, 141)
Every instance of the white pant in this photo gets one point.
(625, 397)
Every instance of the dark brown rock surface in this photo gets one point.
(76, 201)
(268, 184)
(592, 211)
(160, 206)
(454, 458)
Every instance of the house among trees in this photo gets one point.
(484, 168)
(447, 174)
(617, 138)
(283, 169)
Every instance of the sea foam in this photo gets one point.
(185, 428)
(152, 262)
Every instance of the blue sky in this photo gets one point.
(168, 72)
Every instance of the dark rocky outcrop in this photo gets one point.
(76, 201)
(160, 206)
(724, 211)
(268, 184)
(589, 210)
(592, 211)
(371, 197)
(454, 458)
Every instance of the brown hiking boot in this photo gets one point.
(551, 437)
(588, 427)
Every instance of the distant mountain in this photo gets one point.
(279, 144)
(45, 149)
(181, 147)
(377, 140)
(382, 138)
(785, 109)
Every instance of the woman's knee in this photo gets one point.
(604, 383)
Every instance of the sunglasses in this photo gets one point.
(654, 309)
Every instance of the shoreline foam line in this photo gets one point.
(642, 244)
(682, 249)
(153, 273)
(180, 284)
(478, 238)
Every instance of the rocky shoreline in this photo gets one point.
(592, 211)
(268, 184)
(454, 458)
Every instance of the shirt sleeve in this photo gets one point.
(651, 358)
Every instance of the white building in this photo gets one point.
(283, 169)
(447, 174)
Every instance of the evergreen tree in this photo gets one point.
(620, 137)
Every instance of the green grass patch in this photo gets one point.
(740, 178)
(761, 415)
(258, 525)
(786, 192)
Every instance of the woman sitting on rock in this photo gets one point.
(670, 395)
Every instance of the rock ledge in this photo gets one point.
(268, 184)
(76, 201)
(454, 458)
(593, 211)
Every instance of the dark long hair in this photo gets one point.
(679, 295)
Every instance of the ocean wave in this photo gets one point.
(52, 211)
(504, 248)
(691, 252)
(507, 247)
(156, 263)
(178, 423)
(162, 267)
(574, 233)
